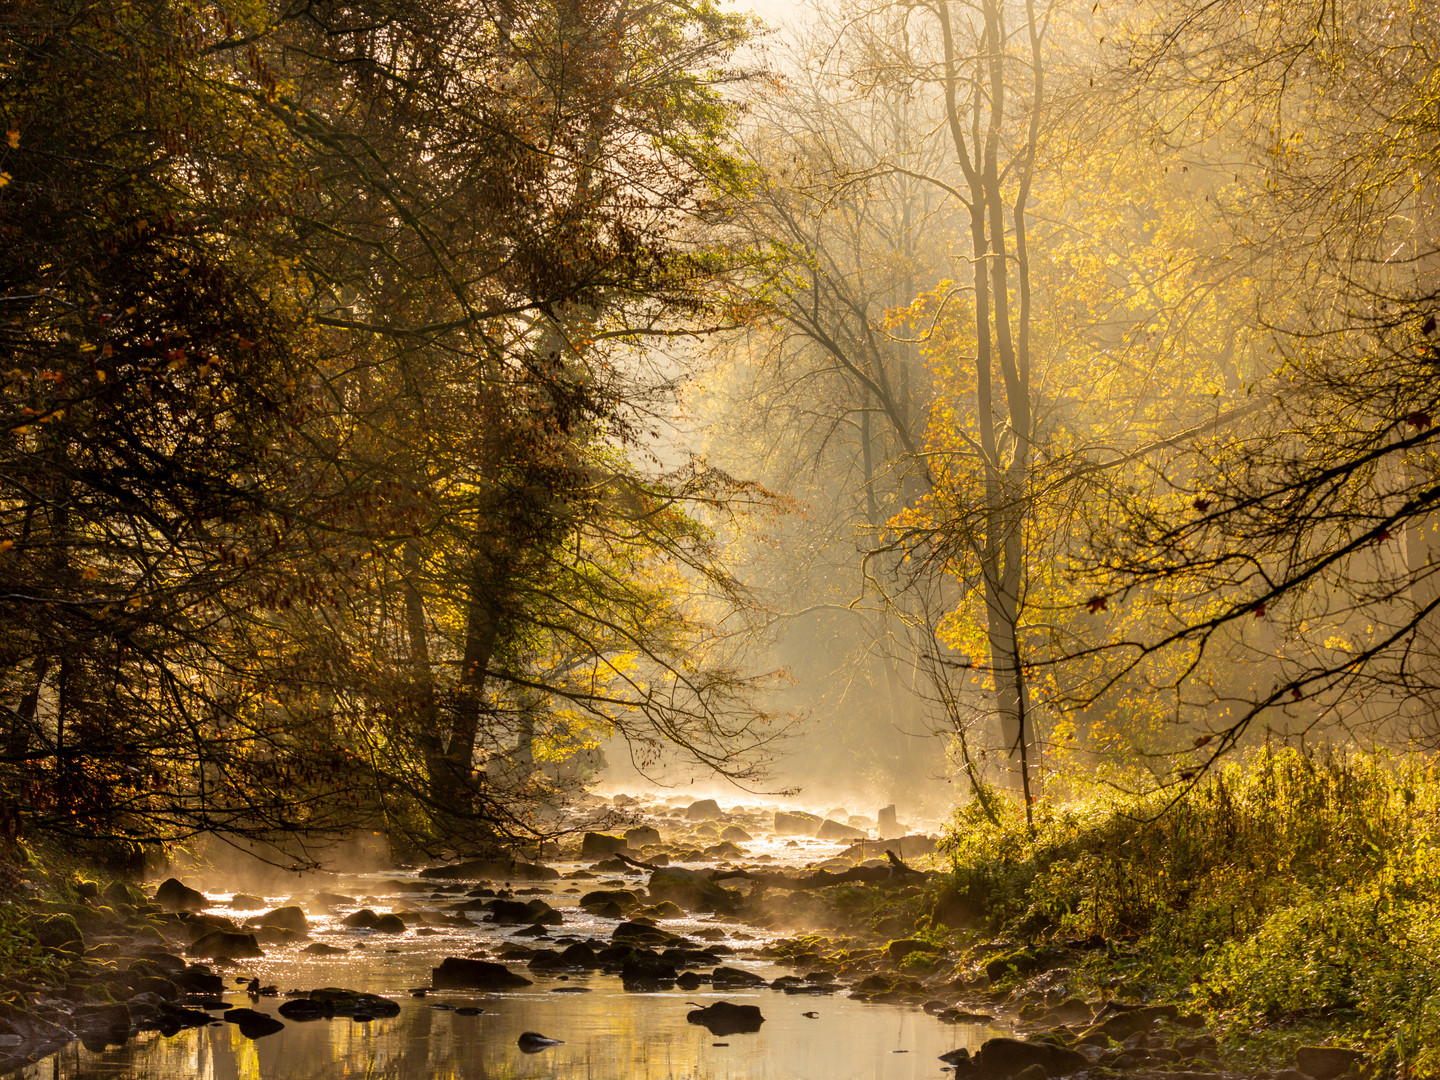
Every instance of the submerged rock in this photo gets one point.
(729, 976)
(460, 973)
(646, 970)
(491, 870)
(319, 948)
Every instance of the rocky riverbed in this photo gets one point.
(688, 927)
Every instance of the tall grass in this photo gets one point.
(1284, 888)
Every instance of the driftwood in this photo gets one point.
(894, 874)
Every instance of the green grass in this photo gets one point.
(1288, 893)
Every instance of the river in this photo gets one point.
(605, 1031)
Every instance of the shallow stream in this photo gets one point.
(606, 1032)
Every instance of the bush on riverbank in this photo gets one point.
(1284, 891)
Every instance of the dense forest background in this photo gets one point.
(405, 400)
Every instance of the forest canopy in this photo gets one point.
(1081, 358)
(319, 491)
(1100, 349)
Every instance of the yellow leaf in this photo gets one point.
(89, 573)
(13, 137)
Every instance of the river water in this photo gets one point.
(607, 1032)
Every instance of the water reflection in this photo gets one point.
(607, 1035)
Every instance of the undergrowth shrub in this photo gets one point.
(1284, 887)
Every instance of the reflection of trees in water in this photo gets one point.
(607, 1033)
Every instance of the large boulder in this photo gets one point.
(692, 890)
(704, 810)
(641, 835)
(226, 945)
(174, 895)
(796, 823)
(462, 973)
(602, 845)
(122, 892)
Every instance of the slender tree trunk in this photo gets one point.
(999, 341)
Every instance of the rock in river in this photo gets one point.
(227, 945)
(704, 810)
(692, 890)
(723, 1018)
(252, 1024)
(288, 918)
(1006, 1057)
(492, 870)
(172, 895)
(796, 823)
(602, 846)
(459, 973)
(532, 1042)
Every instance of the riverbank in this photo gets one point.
(1287, 900)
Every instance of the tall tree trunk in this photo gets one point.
(1001, 337)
